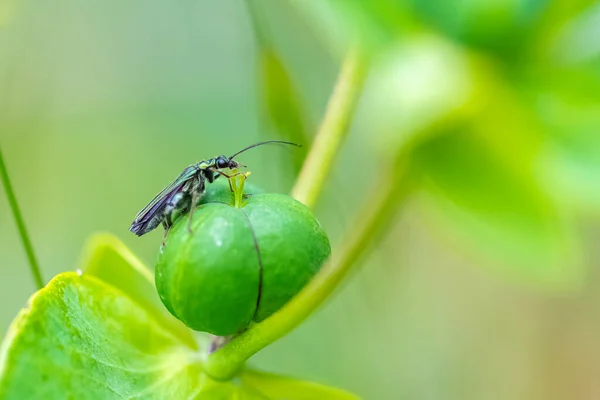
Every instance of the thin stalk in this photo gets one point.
(14, 206)
(333, 129)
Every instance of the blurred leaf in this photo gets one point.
(281, 102)
(566, 101)
(283, 388)
(483, 186)
(500, 25)
(563, 10)
(558, 15)
(409, 89)
(107, 258)
(375, 24)
(575, 41)
(493, 203)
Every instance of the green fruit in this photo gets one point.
(240, 264)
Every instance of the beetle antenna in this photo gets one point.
(261, 143)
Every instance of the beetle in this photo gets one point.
(183, 194)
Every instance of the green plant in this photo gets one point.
(489, 139)
(102, 332)
(243, 261)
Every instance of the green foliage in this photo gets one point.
(510, 159)
(239, 264)
(510, 29)
(375, 24)
(281, 101)
(566, 101)
(278, 387)
(497, 209)
(282, 108)
(501, 26)
(94, 336)
(107, 258)
(511, 151)
(97, 343)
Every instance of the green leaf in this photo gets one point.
(282, 388)
(107, 258)
(375, 24)
(559, 14)
(409, 91)
(281, 101)
(501, 25)
(491, 202)
(571, 165)
(282, 106)
(82, 338)
(566, 102)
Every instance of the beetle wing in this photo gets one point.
(154, 216)
(161, 199)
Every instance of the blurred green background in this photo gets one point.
(486, 285)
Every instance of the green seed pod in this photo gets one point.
(240, 264)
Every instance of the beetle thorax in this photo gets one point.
(207, 163)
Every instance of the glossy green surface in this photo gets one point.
(82, 337)
(239, 264)
(292, 246)
(209, 279)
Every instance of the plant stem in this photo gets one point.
(12, 201)
(225, 362)
(374, 218)
(333, 129)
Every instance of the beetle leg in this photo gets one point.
(196, 193)
(176, 204)
(166, 226)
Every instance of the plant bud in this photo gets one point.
(239, 264)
